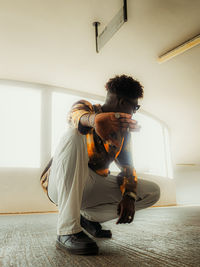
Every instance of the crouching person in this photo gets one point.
(78, 180)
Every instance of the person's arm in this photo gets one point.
(83, 117)
(80, 110)
(88, 120)
(127, 180)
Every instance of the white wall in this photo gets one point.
(167, 188)
(20, 191)
(187, 180)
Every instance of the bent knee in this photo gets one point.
(156, 191)
(72, 137)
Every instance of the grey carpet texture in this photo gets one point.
(157, 237)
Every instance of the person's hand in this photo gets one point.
(126, 210)
(108, 124)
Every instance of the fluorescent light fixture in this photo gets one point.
(180, 49)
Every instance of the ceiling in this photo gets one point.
(53, 42)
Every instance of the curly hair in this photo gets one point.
(125, 86)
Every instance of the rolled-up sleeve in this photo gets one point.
(79, 109)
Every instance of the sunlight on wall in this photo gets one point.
(20, 113)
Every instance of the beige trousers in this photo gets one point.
(76, 189)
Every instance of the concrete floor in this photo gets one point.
(157, 237)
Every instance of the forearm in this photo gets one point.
(126, 207)
(88, 120)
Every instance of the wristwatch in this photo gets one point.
(130, 194)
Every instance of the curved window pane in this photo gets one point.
(149, 146)
(20, 110)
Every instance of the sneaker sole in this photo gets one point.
(103, 234)
(91, 251)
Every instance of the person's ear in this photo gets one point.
(121, 102)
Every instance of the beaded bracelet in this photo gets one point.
(91, 120)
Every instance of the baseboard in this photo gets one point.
(28, 212)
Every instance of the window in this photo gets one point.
(151, 152)
(23, 141)
(20, 113)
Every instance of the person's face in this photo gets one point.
(128, 105)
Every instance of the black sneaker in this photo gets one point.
(78, 243)
(95, 229)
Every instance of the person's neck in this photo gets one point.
(106, 108)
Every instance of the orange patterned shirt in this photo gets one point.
(102, 153)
